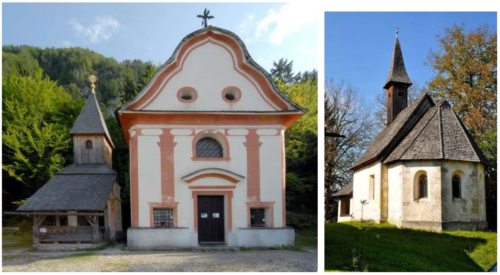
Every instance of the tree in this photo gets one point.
(466, 75)
(344, 115)
(283, 71)
(37, 116)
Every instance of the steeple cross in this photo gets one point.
(397, 31)
(205, 16)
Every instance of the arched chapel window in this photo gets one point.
(88, 145)
(422, 186)
(208, 147)
(455, 186)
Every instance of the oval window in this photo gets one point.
(231, 94)
(186, 94)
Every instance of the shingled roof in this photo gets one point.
(390, 136)
(75, 188)
(397, 70)
(90, 120)
(439, 135)
(344, 191)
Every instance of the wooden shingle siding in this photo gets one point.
(99, 154)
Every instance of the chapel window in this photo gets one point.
(231, 94)
(163, 217)
(422, 186)
(208, 147)
(371, 186)
(88, 145)
(257, 217)
(455, 186)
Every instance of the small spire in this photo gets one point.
(205, 16)
(92, 80)
(397, 70)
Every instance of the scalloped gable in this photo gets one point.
(209, 61)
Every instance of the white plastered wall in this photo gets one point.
(395, 193)
(426, 209)
(270, 172)
(361, 178)
(150, 171)
(470, 207)
(149, 184)
(209, 68)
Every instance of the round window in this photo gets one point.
(231, 94)
(186, 94)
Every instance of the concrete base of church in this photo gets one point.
(68, 246)
(264, 237)
(160, 238)
(172, 238)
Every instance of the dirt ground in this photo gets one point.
(118, 258)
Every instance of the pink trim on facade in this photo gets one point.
(253, 165)
(212, 187)
(167, 145)
(269, 206)
(283, 176)
(231, 89)
(134, 179)
(163, 204)
(218, 136)
(214, 175)
(228, 195)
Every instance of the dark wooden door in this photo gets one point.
(211, 219)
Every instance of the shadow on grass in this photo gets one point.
(351, 247)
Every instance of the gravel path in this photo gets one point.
(115, 258)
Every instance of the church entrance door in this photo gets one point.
(210, 219)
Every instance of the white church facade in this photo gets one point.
(207, 151)
(422, 171)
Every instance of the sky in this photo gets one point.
(151, 32)
(359, 45)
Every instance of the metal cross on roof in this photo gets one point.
(205, 16)
(397, 31)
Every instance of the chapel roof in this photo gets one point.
(83, 187)
(392, 133)
(397, 70)
(439, 135)
(344, 191)
(90, 120)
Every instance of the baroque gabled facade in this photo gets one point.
(207, 157)
(422, 171)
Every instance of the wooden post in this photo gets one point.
(94, 222)
(37, 221)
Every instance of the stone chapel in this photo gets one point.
(422, 171)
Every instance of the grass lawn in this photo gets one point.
(383, 247)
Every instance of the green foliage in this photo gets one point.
(37, 116)
(70, 67)
(383, 247)
(301, 142)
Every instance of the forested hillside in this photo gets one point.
(43, 91)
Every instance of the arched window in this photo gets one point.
(88, 145)
(422, 186)
(208, 147)
(455, 186)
